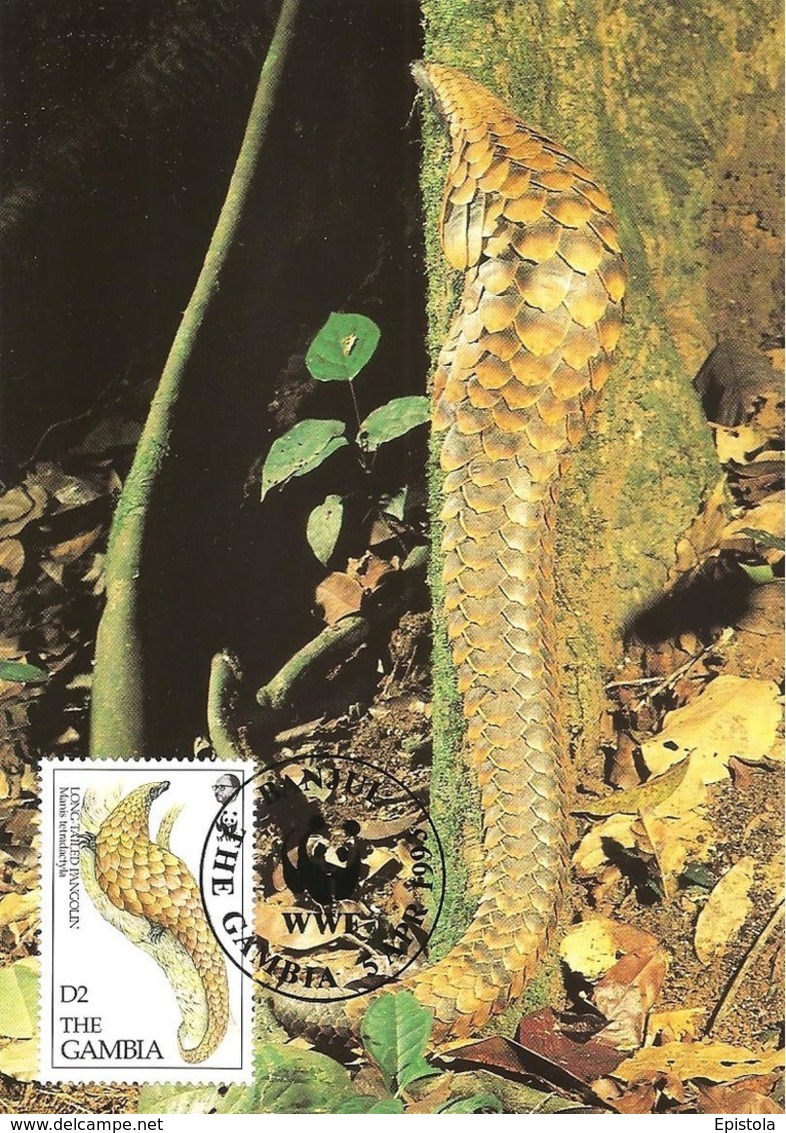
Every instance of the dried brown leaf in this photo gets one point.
(72, 549)
(382, 829)
(542, 1050)
(735, 1099)
(433, 1097)
(644, 797)
(768, 411)
(53, 571)
(371, 569)
(711, 1061)
(739, 444)
(339, 596)
(625, 995)
(725, 912)
(69, 492)
(590, 855)
(381, 532)
(593, 947)
(733, 378)
(673, 1026)
(623, 773)
(19, 915)
(12, 557)
(626, 965)
(19, 507)
(671, 831)
(379, 859)
(15, 504)
(701, 540)
(732, 716)
(639, 1099)
(753, 482)
(560, 1057)
(756, 528)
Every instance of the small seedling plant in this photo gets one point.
(339, 353)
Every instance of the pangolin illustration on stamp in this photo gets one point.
(150, 895)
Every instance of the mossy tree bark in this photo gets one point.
(658, 102)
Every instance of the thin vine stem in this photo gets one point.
(118, 710)
(355, 403)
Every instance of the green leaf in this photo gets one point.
(300, 450)
(300, 1081)
(285, 1081)
(759, 574)
(395, 505)
(19, 1000)
(763, 538)
(388, 1105)
(185, 1098)
(478, 1103)
(19, 1059)
(324, 527)
(395, 1032)
(367, 1103)
(697, 874)
(392, 420)
(342, 348)
(359, 1103)
(22, 672)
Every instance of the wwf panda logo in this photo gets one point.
(323, 863)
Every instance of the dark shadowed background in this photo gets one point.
(120, 127)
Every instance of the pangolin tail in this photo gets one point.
(519, 375)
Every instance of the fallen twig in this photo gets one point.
(732, 988)
(334, 641)
(671, 680)
(228, 720)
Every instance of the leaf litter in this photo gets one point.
(53, 528)
(698, 863)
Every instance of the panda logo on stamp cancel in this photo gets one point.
(349, 877)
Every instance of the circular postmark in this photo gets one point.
(348, 877)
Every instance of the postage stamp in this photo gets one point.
(135, 986)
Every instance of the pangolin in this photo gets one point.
(146, 879)
(519, 374)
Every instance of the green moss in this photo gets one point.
(455, 806)
(455, 800)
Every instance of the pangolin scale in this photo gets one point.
(519, 374)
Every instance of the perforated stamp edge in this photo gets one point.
(132, 986)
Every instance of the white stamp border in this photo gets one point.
(175, 1071)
